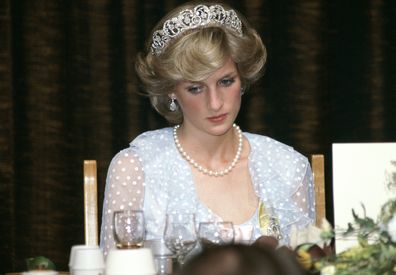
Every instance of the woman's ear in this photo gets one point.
(172, 96)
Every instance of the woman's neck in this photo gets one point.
(217, 153)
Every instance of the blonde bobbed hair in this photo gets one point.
(194, 55)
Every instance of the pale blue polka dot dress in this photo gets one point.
(151, 175)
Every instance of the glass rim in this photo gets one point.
(128, 210)
(217, 222)
(180, 214)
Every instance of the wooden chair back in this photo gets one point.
(317, 165)
(90, 203)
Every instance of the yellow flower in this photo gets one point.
(263, 218)
(304, 258)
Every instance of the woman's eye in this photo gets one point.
(194, 89)
(227, 82)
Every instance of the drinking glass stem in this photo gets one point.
(180, 258)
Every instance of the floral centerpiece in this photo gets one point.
(374, 254)
(377, 256)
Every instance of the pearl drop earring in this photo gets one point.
(172, 105)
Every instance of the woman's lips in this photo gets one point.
(219, 118)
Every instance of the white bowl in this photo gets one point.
(41, 272)
(86, 258)
(88, 272)
(74, 248)
(130, 261)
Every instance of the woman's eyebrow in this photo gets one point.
(230, 74)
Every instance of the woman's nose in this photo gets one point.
(215, 99)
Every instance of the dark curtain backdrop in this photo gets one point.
(68, 92)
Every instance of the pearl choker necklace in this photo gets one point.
(204, 170)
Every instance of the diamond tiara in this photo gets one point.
(187, 19)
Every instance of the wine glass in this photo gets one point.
(180, 235)
(163, 257)
(216, 233)
(129, 228)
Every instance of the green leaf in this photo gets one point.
(350, 229)
(40, 263)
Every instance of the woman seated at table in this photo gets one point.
(199, 61)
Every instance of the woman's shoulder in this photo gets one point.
(153, 146)
(267, 143)
(147, 147)
(264, 147)
(146, 144)
(163, 135)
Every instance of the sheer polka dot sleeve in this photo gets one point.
(124, 190)
(304, 196)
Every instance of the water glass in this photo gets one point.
(216, 233)
(129, 229)
(244, 234)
